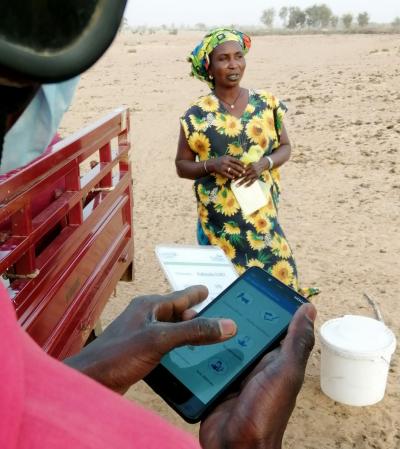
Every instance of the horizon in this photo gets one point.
(182, 14)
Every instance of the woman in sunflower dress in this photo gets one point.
(232, 134)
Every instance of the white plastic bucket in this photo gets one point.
(355, 358)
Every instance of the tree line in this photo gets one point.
(316, 16)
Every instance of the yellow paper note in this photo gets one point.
(250, 198)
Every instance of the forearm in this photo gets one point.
(192, 169)
(80, 363)
(279, 156)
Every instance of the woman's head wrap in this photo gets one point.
(200, 56)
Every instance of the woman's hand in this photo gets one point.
(134, 343)
(253, 171)
(279, 155)
(257, 416)
(227, 166)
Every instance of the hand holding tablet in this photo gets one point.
(193, 379)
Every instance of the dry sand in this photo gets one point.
(340, 206)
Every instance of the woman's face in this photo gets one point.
(227, 64)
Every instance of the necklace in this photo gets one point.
(231, 105)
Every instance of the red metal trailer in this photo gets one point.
(66, 234)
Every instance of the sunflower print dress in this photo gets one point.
(211, 131)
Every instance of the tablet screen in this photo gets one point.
(261, 313)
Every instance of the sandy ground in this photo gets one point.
(340, 206)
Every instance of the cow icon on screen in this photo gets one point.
(245, 299)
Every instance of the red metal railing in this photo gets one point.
(66, 233)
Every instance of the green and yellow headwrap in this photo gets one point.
(200, 56)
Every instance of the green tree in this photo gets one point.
(334, 21)
(124, 25)
(268, 17)
(200, 26)
(396, 22)
(318, 16)
(347, 20)
(297, 18)
(363, 19)
(283, 14)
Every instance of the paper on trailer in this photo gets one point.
(186, 265)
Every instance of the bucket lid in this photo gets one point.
(359, 335)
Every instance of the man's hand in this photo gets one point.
(256, 417)
(134, 343)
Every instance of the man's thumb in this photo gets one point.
(198, 331)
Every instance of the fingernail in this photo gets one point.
(311, 312)
(227, 327)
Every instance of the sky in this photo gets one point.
(240, 12)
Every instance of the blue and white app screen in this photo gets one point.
(204, 370)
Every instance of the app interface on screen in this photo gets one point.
(205, 369)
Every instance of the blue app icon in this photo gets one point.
(269, 316)
(218, 366)
(244, 341)
(244, 298)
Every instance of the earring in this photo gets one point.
(211, 77)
